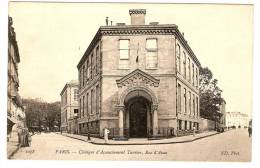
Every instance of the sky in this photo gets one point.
(52, 38)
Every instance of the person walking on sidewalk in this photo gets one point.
(194, 129)
(106, 132)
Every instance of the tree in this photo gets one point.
(210, 96)
(42, 114)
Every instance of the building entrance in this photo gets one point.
(138, 111)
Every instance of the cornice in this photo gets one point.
(131, 30)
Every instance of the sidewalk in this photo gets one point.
(144, 141)
(12, 146)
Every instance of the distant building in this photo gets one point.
(237, 119)
(139, 80)
(222, 110)
(15, 109)
(69, 107)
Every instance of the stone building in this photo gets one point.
(138, 80)
(237, 119)
(69, 107)
(15, 109)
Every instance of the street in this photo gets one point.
(233, 145)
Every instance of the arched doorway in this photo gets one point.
(138, 116)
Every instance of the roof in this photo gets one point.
(160, 29)
(69, 84)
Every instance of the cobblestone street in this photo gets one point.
(234, 145)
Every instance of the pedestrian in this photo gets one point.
(106, 132)
(194, 129)
(250, 131)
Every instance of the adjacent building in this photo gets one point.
(69, 107)
(15, 109)
(237, 119)
(138, 80)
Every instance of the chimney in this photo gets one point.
(137, 16)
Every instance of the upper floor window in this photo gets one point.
(197, 80)
(193, 78)
(184, 65)
(83, 76)
(91, 66)
(123, 54)
(97, 59)
(76, 93)
(189, 69)
(152, 53)
(178, 62)
(88, 70)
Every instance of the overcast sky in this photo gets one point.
(52, 38)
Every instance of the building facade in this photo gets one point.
(69, 107)
(15, 109)
(237, 119)
(138, 80)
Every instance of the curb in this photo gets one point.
(74, 138)
(158, 143)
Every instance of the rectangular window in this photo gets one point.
(179, 98)
(80, 108)
(197, 80)
(91, 101)
(180, 125)
(87, 101)
(97, 59)
(76, 94)
(189, 102)
(123, 54)
(151, 53)
(83, 76)
(193, 104)
(193, 83)
(91, 66)
(185, 100)
(83, 106)
(189, 69)
(97, 99)
(178, 59)
(184, 65)
(197, 103)
(185, 125)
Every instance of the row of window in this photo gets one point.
(187, 125)
(90, 102)
(187, 69)
(64, 96)
(151, 54)
(190, 102)
(90, 68)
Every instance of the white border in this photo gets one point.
(71, 164)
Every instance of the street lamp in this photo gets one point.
(88, 128)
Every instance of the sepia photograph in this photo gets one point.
(130, 81)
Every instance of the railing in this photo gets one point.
(161, 132)
(186, 132)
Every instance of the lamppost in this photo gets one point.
(88, 128)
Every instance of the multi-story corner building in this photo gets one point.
(237, 119)
(138, 80)
(15, 109)
(69, 107)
